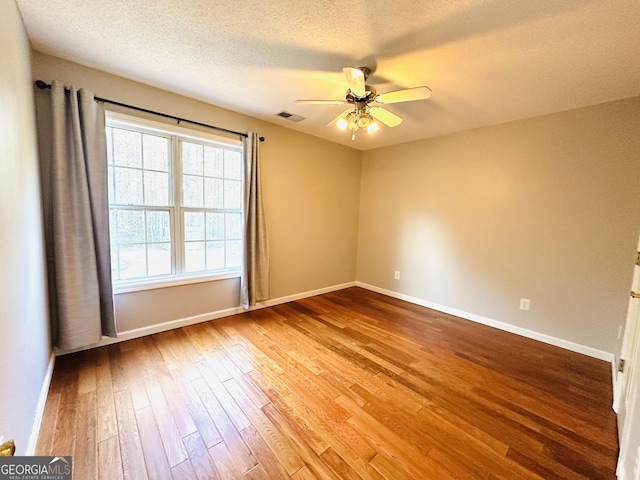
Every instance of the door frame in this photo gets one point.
(627, 388)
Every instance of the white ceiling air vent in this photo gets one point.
(290, 116)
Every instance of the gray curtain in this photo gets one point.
(76, 209)
(254, 283)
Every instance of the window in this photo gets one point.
(175, 201)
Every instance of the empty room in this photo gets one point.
(301, 240)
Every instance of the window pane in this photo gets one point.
(232, 165)
(192, 191)
(213, 162)
(234, 253)
(132, 261)
(215, 226)
(233, 225)
(113, 232)
(156, 188)
(192, 158)
(213, 193)
(156, 152)
(127, 148)
(232, 194)
(111, 186)
(194, 257)
(130, 226)
(128, 186)
(115, 275)
(193, 226)
(110, 145)
(215, 255)
(159, 258)
(158, 227)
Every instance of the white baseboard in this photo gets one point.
(558, 342)
(42, 402)
(298, 296)
(205, 317)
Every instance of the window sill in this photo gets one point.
(134, 286)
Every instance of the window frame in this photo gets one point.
(177, 135)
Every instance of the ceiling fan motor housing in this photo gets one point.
(370, 95)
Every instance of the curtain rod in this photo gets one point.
(44, 85)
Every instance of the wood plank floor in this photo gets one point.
(346, 385)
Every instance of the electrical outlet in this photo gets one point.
(396, 275)
(525, 304)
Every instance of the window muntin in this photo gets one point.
(175, 204)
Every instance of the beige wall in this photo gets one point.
(546, 209)
(311, 186)
(24, 333)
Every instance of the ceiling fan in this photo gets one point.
(363, 99)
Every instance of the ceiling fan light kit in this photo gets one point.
(362, 115)
(355, 119)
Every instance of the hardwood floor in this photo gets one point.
(346, 385)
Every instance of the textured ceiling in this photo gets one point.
(487, 62)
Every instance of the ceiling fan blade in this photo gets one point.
(355, 79)
(342, 115)
(320, 102)
(385, 116)
(406, 95)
